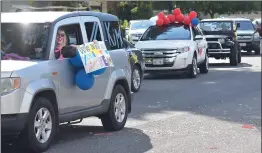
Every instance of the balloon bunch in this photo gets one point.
(177, 17)
(82, 79)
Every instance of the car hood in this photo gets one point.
(216, 36)
(8, 66)
(227, 33)
(245, 32)
(137, 31)
(163, 44)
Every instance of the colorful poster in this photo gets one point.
(94, 56)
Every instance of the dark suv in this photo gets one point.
(222, 39)
(248, 36)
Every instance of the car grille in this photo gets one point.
(165, 65)
(212, 39)
(165, 53)
(244, 37)
(168, 56)
(213, 46)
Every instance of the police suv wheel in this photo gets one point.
(234, 56)
(205, 65)
(239, 56)
(115, 118)
(192, 73)
(41, 127)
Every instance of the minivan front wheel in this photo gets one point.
(115, 118)
(42, 126)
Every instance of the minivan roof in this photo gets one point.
(51, 16)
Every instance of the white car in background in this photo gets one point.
(136, 29)
(174, 48)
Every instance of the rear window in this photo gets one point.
(170, 32)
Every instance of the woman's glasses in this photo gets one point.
(60, 35)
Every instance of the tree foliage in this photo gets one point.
(220, 7)
(135, 10)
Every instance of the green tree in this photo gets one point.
(220, 7)
(132, 10)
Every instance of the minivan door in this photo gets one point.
(93, 31)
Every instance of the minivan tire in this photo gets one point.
(109, 120)
(28, 136)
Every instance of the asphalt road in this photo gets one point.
(217, 112)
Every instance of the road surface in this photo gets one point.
(217, 112)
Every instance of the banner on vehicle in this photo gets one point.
(94, 56)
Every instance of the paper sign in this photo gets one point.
(94, 56)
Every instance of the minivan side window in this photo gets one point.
(93, 31)
(113, 35)
(73, 34)
(68, 35)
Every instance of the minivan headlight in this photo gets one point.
(9, 84)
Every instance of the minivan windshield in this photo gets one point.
(20, 41)
(245, 25)
(170, 32)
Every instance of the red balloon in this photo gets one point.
(171, 18)
(177, 11)
(161, 15)
(159, 22)
(166, 21)
(192, 15)
(180, 18)
(187, 20)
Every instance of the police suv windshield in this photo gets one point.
(216, 25)
(170, 32)
(21, 40)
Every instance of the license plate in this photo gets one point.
(242, 44)
(158, 61)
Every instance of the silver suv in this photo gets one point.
(38, 91)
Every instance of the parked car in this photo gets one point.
(173, 48)
(136, 29)
(39, 93)
(222, 40)
(137, 65)
(247, 35)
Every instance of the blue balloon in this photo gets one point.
(99, 72)
(195, 21)
(76, 61)
(83, 80)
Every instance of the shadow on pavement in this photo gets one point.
(183, 75)
(227, 65)
(83, 139)
(232, 95)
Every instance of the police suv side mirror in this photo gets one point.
(238, 25)
(198, 37)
